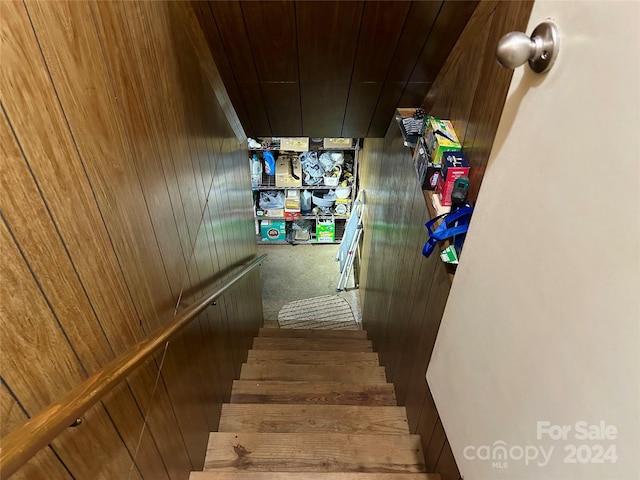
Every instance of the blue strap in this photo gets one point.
(453, 224)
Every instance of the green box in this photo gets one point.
(273, 230)
(449, 255)
(325, 230)
(440, 137)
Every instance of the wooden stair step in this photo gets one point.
(304, 452)
(325, 344)
(326, 373)
(303, 357)
(323, 393)
(285, 418)
(311, 476)
(311, 333)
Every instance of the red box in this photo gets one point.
(454, 166)
(291, 215)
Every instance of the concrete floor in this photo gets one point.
(296, 272)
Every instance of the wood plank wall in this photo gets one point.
(403, 294)
(123, 191)
(329, 68)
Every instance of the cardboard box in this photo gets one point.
(449, 255)
(273, 230)
(337, 143)
(295, 144)
(440, 137)
(325, 230)
(285, 166)
(427, 172)
(292, 205)
(454, 166)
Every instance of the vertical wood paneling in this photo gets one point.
(384, 22)
(452, 19)
(32, 335)
(44, 465)
(83, 79)
(210, 30)
(272, 37)
(327, 35)
(230, 22)
(282, 101)
(417, 27)
(340, 67)
(404, 295)
(327, 40)
(112, 135)
(271, 28)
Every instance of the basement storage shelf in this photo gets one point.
(309, 198)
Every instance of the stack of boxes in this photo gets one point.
(438, 158)
(292, 205)
(273, 230)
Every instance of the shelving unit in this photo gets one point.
(268, 183)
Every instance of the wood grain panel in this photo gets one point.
(27, 331)
(282, 101)
(345, 57)
(113, 129)
(426, 325)
(31, 226)
(188, 22)
(230, 22)
(141, 129)
(446, 464)
(388, 101)
(380, 31)
(44, 465)
(214, 40)
(35, 110)
(81, 80)
(327, 35)
(323, 108)
(151, 20)
(126, 210)
(382, 25)
(31, 335)
(130, 422)
(415, 32)
(451, 20)
(271, 28)
(434, 448)
(363, 97)
(413, 93)
(185, 156)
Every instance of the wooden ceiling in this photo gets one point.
(328, 68)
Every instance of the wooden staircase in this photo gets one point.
(311, 405)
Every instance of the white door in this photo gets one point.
(536, 368)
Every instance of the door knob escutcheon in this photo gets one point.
(540, 50)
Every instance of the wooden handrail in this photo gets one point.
(24, 442)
